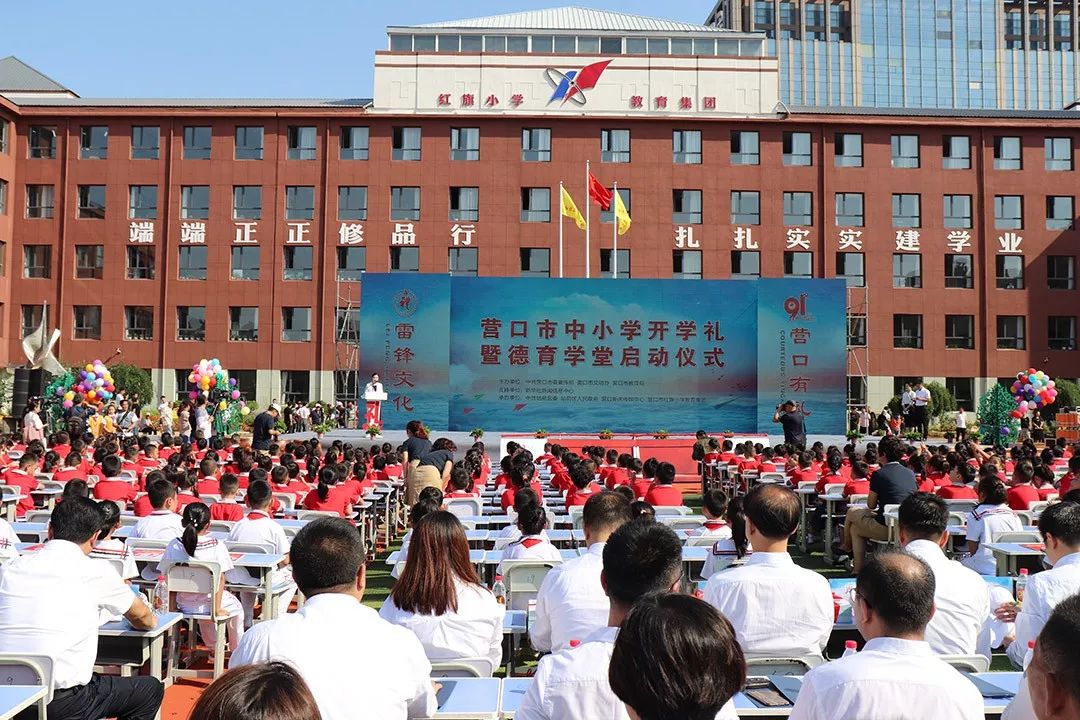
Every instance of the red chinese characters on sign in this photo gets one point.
(491, 328)
(516, 99)
(660, 102)
(685, 103)
(404, 331)
(490, 354)
(468, 100)
(491, 101)
(403, 378)
(637, 102)
(708, 103)
(444, 100)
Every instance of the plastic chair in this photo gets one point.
(701, 541)
(465, 507)
(1037, 507)
(834, 488)
(1015, 537)
(678, 522)
(38, 516)
(209, 498)
(286, 500)
(523, 579)
(964, 506)
(202, 578)
(129, 520)
(313, 514)
(967, 663)
(782, 665)
(24, 669)
(463, 668)
(669, 510)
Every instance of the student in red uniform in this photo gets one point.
(747, 461)
(502, 480)
(151, 457)
(664, 492)
(712, 452)
(227, 508)
(461, 485)
(859, 484)
(1069, 478)
(208, 477)
(642, 485)
(378, 469)
(112, 486)
(23, 478)
(767, 464)
(1044, 482)
(584, 487)
(727, 452)
(545, 457)
(520, 474)
(962, 477)
(72, 469)
(805, 471)
(834, 473)
(327, 496)
(185, 490)
(610, 464)
(1022, 493)
(351, 484)
(937, 470)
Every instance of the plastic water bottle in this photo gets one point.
(850, 648)
(499, 590)
(1021, 586)
(1028, 654)
(161, 595)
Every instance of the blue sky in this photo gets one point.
(240, 48)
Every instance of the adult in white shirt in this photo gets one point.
(639, 558)
(572, 604)
(895, 675)
(961, 622)
(920, 409)
(50, 602)
(8, 540)
(440, 599)
(777, 608)
(1060, 528)
(165, 415)
(354, 661)
(1051, 687)
(991, 516)
(259, 528)
(961, 424)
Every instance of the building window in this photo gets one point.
(404, 203)
(243, 324)
(1059, 153)
(1061, 332)
(351, 262)
(354, 142)
(247, 202)
(956, 152)
(37, 262)
(94, 142)
(404, 259)
(848, 150)
(851, 266)
(296, 386)
(296, 324)
(89, 262)
(1010, 332)
(464, 204)
(905, 151)
(352, 202)
(745, 264)
(301, 142)
(1007, 153)
(92, 202)
(745, 148)
(347, 324)
(464, 143)
(686, 207)
(958, 272)
(856, 391)
(406, 143)
(145, 142)
(622, 268)
(464, 261)
(41, 143)
(346, 385)
(798, 208)
(194, 202)
(197, 142)
(797, 147)
(246, 382)
(298, 262)
(299, 202)
(244, 263)
(1008, 212)
(1059, 212)
(140, 263)
(957, 211)
(39, 201)
(960, 332)
(535, 262)
(856, 330)
(191, 323)
(849, 209)
(607, 216)
(1010, 272)
(536, 145)
(907, 270)
(745, 207)
(535, 205)
(192, 262)
(798, 264)
(5, 136)
(249, 142)
(142, 204)
(87, 322)
(905, 210)
(1061, 272)
(907, 331)
(138, 323)
(31, 318)
(686, 147)
(3, 197)
(615, 146)
(686, 264)
(963, 389)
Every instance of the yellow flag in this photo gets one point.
(621, 216)
(569, 209)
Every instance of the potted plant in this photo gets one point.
(728, 433)
(661, 434)
(913, 436)
(541, 433)
(477, 433)
(373, 431)
(322, 427)
(853, 435)
(606, 434)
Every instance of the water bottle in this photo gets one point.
(850, 648)
(499, 590)
(161, 595)
(1021, 586)
(1028, 654)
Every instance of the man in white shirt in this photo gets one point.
(896, 674)
(907, 399)
(1060, 528)
(572, 604)
(355, 662)
(777, 608)
(961, 596)
(165, 415)
(1053, 677)
(258, 527)
(50, 602)
(920, 409)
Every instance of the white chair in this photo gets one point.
(129, 520)
(523, 579)
(201, 578)
(669, 510)
(778, 477)
(221, 525)
(701, 541)
(25, 669)
(679, 522)
(575, 511)
(834, 488)
(967, 663)
(209, 498)
(117, 564)
(38, 516)
(802, 483)
(129, 475)
(963, 506)
(1015, 537)
(463, 668)
(286, 500)
(465, 507)
(249, 547)
(782, 665)
(854, 499)
(313, 514)
(1037, 507)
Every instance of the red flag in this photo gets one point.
(600, 194)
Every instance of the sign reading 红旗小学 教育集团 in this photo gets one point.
(580, 355)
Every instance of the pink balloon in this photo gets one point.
(235, 394)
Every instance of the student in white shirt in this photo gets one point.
(439, 596)
(50, 602)
(776, 607)
(161, 524)
(991, 516)
(258, 527)
(8, 539)
(731, 550)
(353, 660)
(512, 533)
(895, 675)
(714, 504)
(960, 625)
(571, 603)
(109, 548)
(532, 545)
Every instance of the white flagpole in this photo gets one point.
(588, 212)
(560, 228)
(614, 233)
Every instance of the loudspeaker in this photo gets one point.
(27, 384)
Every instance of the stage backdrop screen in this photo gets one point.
(576, 355)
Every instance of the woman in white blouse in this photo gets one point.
(33, 427)
(439, 596)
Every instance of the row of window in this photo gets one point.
(960, 332)
(572, 44)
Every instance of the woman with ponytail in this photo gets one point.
(196, 544)
(328, 495)
(533, 543)
(109, 548)
(729, 551)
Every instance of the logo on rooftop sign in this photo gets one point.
(571, 86)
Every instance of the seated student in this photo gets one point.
(23, 478)
(714, 504)
(937, 471)
(196, 544)
(266, 691)
(208, 477)
(328, 496)
(162, 523)
(731, 550)
(113, 487)
(1044, 482)
(748, 460)
(1022, 493)
(533, 543)
(185, 490)
(991, 516)
(622, 473)
(257, 526)
(378, 469)
(227, 508)
(962, 477)
(393, 467)
(664, 492)
(712, 451)
(676, 657)
(584, 488)
(859, 484)
(109, 548)
(644, 483)
(641, 510)
(296, 485)
(8, 541)
(1070, 478)
(503, 478)
(833, 475)
(521, 474)
(610, 464)
(461, 485)
(72, 470)
(776, 607)
(511, 533)
(439, 596)
(767, 464)
(74, 488)
(805, 473)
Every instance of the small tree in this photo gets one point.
(996, 424)
(131, 379)
(941, 400)
(1068, 396)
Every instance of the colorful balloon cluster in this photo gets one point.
(94, 383)
(1032, 390)
(208, 375)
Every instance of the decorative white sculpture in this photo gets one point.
(38, 346)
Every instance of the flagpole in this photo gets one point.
(588, 213)
(560, 228)
(614, 233)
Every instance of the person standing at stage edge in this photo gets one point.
(416, 446)
(793, 420)
(263, 429)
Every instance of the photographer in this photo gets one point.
(793, 420)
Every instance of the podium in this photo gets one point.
(373, 412)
